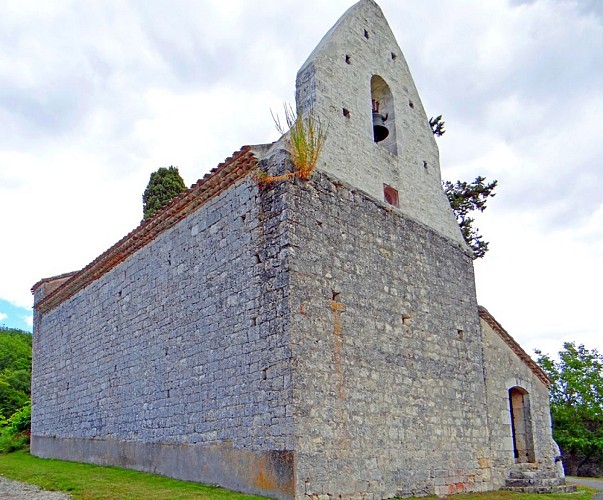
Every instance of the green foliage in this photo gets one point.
(437, 126)
(20, 421)
(465, 198)
(15, 349)
(164, 185)
(14, 432)
(15, 370)
(11, 399)
(15, 387)
(576, 402)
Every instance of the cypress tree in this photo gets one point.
(164, 185)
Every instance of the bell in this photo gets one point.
(380, 131)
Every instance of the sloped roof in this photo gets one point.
(217, 180)
(515, 347)
(50, 279)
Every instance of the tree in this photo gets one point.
(576, 397)
(15, 384)
(164, 185)
(465, 198)
(437, 126)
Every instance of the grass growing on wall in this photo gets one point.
(305, 138)
(87, 481)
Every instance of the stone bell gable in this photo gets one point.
(358, 63)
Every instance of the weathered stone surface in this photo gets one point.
(336, 77)
(299, 339)
(503, 371)
(264, 472)
(385, 404)
(184, 343)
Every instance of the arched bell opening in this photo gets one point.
(383, 114)
(521, 425)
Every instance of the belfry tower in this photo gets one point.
(357, 75)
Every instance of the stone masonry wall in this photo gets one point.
(337, 77)
(505, 370)
(178, 360)
(302, 339)
(388, 382)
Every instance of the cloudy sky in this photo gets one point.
(95, 95)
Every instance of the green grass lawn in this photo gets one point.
(582, 494)
(94, 482)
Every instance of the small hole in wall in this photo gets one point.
(411, 104)
(460, 334)
(264, 373)
(348, 59)
(366, 34)
(405, 319)
(257, 258)
(425, 164)
(254, 321)
(168, 393)
(335, 295)
(243, 217)
(393, 56)
(346, 112)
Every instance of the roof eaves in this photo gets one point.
(515, 347)
(43, 281)
(218, 179)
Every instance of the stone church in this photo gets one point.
(295, 339)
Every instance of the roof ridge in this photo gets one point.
(219, 178)
(53, 278)
(512, 343)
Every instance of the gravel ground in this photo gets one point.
(15, 489)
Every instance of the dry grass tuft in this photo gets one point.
(306, 136)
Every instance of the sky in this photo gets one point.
(96, 95)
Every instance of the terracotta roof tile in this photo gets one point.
(52, 278)
(219, 178)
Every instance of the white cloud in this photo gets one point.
(95, 97)
(3, 316)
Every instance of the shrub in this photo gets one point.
(15, 431)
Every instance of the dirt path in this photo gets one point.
(590, 482)
(14, 489)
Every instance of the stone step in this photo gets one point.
(533, 474)
(527, 466)
(547, 481)
(557, 488)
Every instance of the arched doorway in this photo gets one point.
(521, 425)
